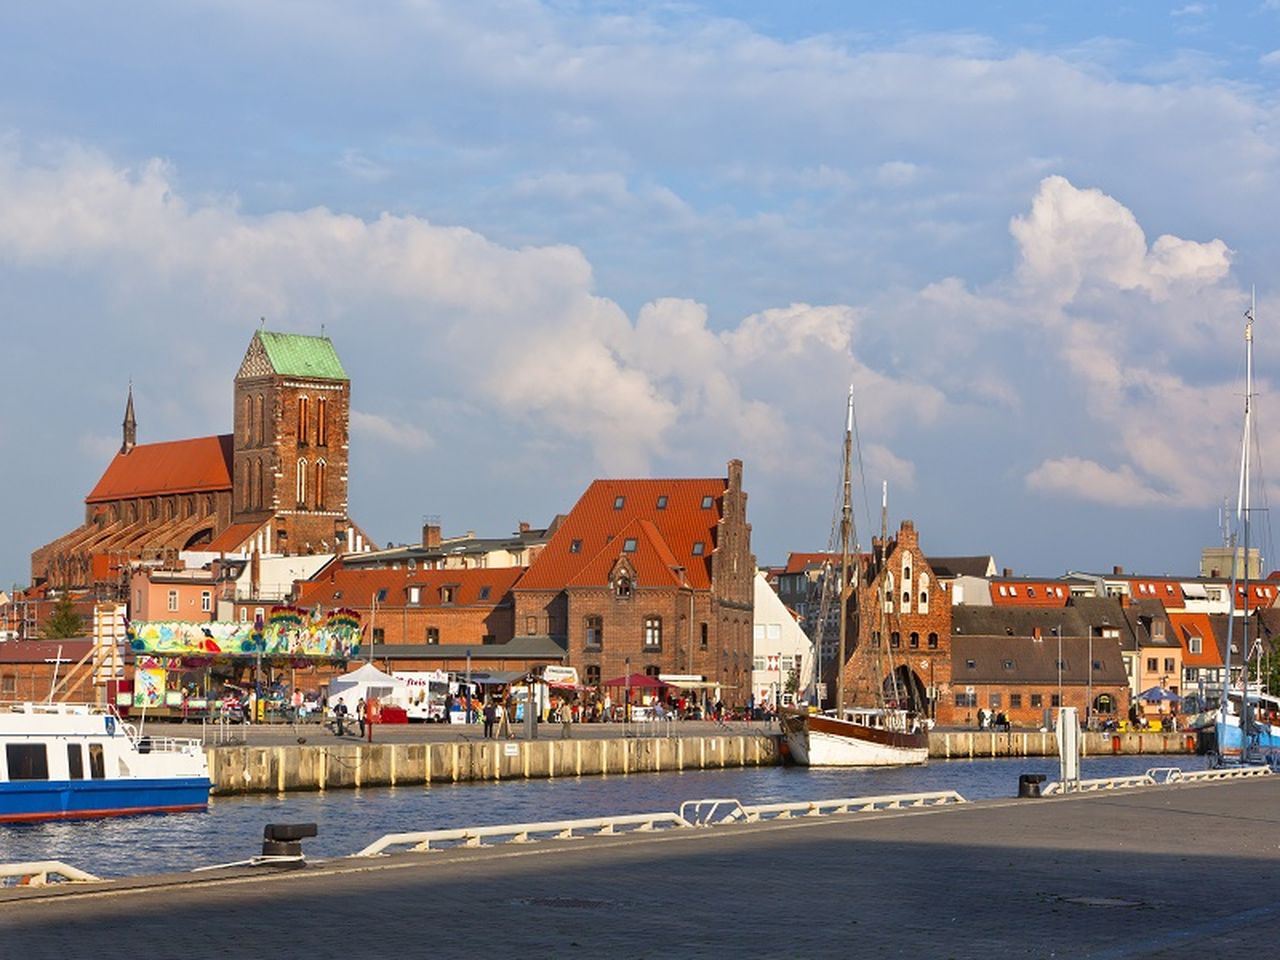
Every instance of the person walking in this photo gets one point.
(566, 720)
(340, 718)
(490, 714)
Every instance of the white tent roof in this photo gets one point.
(365, 673)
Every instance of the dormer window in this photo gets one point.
(662, 502)
(619, 502)
(622, 586)
(484, 593)
(415, 594)
(447, 594)
(708, 502)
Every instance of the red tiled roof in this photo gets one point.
(650, 558)
(39, 651)
(339, 586)
(1029, 593)
(800, 562)
(1188, 625)
(232, 539)
(1168, 592)
(179, 466)
(594, 524)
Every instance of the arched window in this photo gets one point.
(653, 632)
(924, 593)
(257, 419)
(933, 641)
(595, 631)
(622, 585)
(304, 428)
(261, 494)
(248, 419)
(895, 640)
(302, 481)
(321, 470)
(322, 431)
(888, 593)
(914, 640)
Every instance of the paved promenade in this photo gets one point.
(1178, 871)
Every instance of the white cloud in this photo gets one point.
(385, 430)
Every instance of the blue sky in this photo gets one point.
(555, 241)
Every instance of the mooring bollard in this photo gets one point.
(1029, 784)
(284, 841)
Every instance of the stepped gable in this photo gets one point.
(200, 465)
(673, 509)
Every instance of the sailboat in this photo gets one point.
(853, 736)
(1248, 722)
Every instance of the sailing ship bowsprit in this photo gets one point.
(863, 735)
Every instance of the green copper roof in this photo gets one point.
(296, 355)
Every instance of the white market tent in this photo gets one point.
(365, 683)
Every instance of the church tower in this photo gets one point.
(292, 414)
(130, 425)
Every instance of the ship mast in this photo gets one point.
(846, 534)
(1242, 524)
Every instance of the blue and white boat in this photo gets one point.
(61, 761)
(1258, 741)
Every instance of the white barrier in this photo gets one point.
(40, 873)
(1156, 776)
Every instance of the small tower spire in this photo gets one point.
(130, 439)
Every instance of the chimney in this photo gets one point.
(524, 526)
(1117, 571)
(1007, 573)
(431, 534)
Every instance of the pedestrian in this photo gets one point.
(489, 716)
(361, 709)
(340, 718)
(566, 720)
(503, 713)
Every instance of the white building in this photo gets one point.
(780, 648)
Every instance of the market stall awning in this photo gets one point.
(638, 681)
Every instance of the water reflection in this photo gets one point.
(350, 819)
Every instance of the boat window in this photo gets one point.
(97, 765)
(27, 761)
(75, 761)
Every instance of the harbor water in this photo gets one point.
(348, 820)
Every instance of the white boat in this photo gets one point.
(877, 736)
(61, 761)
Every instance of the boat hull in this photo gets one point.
(816, 740)
(35, 800)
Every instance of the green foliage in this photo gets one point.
(63, 620)
(793, 681)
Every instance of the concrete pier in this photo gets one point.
(272, 762)
(1186, 870)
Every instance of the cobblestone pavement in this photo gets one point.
(1179, 871)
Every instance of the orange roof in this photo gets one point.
(1188, 625)
(800, 562)
(1029, 593)
(677, 522)
(233, 538)
(1168, 592)
(179, 466)
(339, 586)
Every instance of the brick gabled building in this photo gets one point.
(903, 639)
(277, 484)
(654, 576)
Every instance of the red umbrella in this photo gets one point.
(639, 681)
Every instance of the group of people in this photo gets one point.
(340, 714)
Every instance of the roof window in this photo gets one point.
(699, 548)
(1007, 664)
(484, 593)
(629, 545)
(662, 502)
(971, 664)
(708, 501)
(619, 502)
(575, 546)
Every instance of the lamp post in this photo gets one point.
(468, 690)
(1059, 631)
(626, 696)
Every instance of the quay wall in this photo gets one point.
(278, 769)
(301, 767)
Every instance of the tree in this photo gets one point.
(63, 620)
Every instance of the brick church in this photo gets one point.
(276, 484)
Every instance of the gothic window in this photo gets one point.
(914, 640)
(933, 641)
(304, 428)
(888, 593)
(248, 420)
(595, 631)
(302, 481)
(261, 494)
(653, 633)
(924, 593)
(322, 429)
(703, 640)
(257, 420)
(321, 470)
(895, 640)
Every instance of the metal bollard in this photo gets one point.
(1029, 784)
(285, 840)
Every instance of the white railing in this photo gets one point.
(39, 873)
(1156, 776)
(693, 813)
(525, 832)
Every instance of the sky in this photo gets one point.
(555, 241)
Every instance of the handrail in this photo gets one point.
(38, 873)
(692, 813)
(1156, 776)
(523, 832)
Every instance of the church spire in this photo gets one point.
(130, 439)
